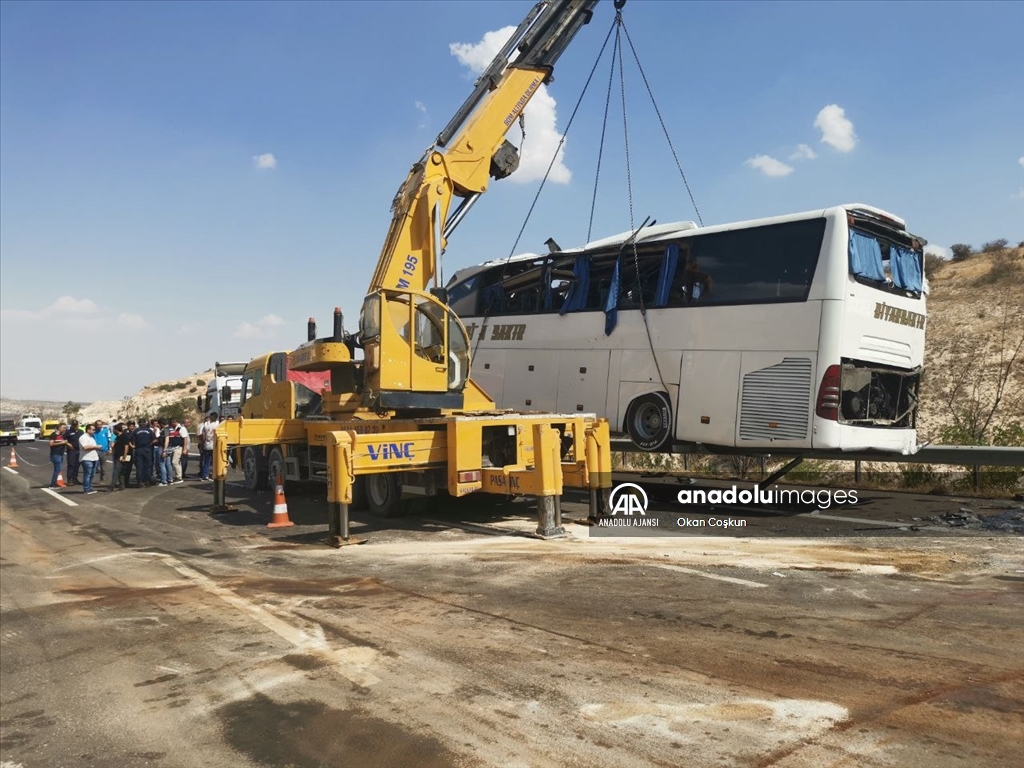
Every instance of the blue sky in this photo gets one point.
(187, 182)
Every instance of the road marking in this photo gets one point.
(10, 470)
(57, 496)
(350, 662)
(716, 577)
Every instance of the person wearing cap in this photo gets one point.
(103, 438)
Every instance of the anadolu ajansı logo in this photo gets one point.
(629, 499)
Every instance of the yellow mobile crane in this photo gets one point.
(408, 417)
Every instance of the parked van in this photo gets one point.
(49, 427)
(33, 422)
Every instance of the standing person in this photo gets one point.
(103, 438)
(58, 447)
(89, 458)
(177, 437)
(188, 447)
(142, 446)
(206, 443)
(121, 458)
(159, 445)
(72, 435)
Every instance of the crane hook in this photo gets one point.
(619, 4)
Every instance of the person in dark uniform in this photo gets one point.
(58, 447)
(142, 446)
(122, 458)
(74, 455)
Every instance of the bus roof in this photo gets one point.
(674, 229)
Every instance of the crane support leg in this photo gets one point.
(549, 471)
(599, 466)
(220, 475)
(340, 474)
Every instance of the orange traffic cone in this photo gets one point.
(281, 519)
(13, 463)
(60, 480)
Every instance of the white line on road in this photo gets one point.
(716, 577)
(57, 496)
(10, 470)
(350, 662)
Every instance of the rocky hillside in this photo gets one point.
(976, 322)
(146, 402)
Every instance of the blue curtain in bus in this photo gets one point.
(905, 265)
(577, 298)
(866, 257)
(611, 304)
(492, 299)
(666, 275)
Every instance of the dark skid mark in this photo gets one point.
(119, 593)
(309, 734)
(303, 661)
(155, 680)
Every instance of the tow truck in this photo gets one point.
(405, 416)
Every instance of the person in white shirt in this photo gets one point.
(90, 457)
(206, 442)
(177, 441)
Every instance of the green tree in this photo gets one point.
(71, 409)
(961, 251)
(995, 245)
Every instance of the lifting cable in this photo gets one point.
(551, 165)
(629, 191)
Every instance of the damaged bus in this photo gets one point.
(786, 334)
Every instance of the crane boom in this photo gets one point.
(472, 146)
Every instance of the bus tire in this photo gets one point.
(254, 468)
(649, 422)
(384, 494)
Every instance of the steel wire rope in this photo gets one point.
(632, 224)
(604, 128)
(554, 157)
(664, 130)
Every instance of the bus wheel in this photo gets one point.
(254, 469)
(275, 467)
(649, 422)
(384, 494)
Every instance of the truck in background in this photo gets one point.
(223, 391)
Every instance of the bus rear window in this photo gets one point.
(889, 260)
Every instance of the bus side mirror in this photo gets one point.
(199, 403)
(225, 393)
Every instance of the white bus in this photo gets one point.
(787, 334)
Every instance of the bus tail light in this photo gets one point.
(828, 395)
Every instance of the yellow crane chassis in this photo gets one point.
(497, 452)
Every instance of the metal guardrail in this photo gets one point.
(973, 456)
(965, 455)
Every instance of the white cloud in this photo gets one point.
(803, 152)
(1020, 162)
(937, 250)
(836, 130)
(132, 321)
(261, 329)
(424, 117)
(62, 307)
(769, 166)
(542, 136)
(265, 162)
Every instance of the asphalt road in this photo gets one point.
(137, 629)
